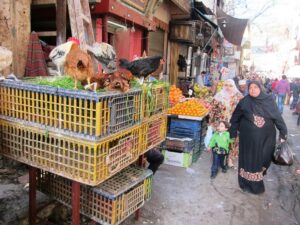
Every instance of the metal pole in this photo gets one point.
(75, 203)
(209, 39)
(32, 195)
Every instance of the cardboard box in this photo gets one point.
(181, 159)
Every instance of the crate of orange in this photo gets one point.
(190, 107)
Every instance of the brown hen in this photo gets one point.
(79, 65)
(113, 81)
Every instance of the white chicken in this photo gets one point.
(58, 55)
(105, 55)
(6, 58)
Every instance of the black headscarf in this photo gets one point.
(264, 104)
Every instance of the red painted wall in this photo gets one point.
(136, 44)
(128, 44)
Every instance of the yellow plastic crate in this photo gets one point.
(154, 132)
(76, 113)
(109, 203)
(155, 99)
(84, 161)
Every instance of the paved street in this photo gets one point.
(189, 197)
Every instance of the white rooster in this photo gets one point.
(6, 58)
(105, 55)
(58, 55)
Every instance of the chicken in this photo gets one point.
(78, 65)
(59, 53)
(6, 58)
(114, 81)
(100, 81)
(143, 67)
(105, 55)
(118, 81)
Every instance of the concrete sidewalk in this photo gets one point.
(190, 197)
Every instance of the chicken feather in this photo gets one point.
(78, 65)
(143, 67)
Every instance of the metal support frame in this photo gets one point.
(75, 197)
(75, 203)
(138, 211)
(32, 195)
(32, 199)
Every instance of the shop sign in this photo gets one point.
(228, 48)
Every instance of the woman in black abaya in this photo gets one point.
(255, 117)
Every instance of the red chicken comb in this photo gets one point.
(74, 39)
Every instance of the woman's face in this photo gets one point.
(254, 90)
(228, 87)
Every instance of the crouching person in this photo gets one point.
(155, 158)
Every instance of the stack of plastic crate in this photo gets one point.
(154, 123)
(111, 202)
(189, 128)
(82, 136)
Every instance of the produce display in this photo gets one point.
(220, 85)
(175, 95)
(192, 107)
(201, 92)
(205, 102)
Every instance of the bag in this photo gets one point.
(209, 134)
(283, 155)
(219, 150)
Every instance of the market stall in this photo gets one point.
(187, 126)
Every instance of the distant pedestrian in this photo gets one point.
(295, 89)
(219, 144)
(273, 86)
(282, 90)
(268, 86)
(199, 79)
(255, 117)
(243, 87)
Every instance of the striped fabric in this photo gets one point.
(36, 64)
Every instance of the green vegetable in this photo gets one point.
(65, 82)
(135, 84)
(148, 89)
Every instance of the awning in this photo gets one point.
(197, 14)
(202, 8)
(232, 28)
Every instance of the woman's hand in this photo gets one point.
(282, 140)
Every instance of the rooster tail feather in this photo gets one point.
(124, 63)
